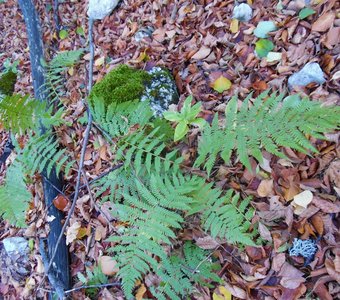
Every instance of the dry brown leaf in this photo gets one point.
(278, 261)
(202, 53)
(207, 243)
(324, 22)
(140, 292)
(236, 291)
(291, 276)
(108, 265)
(326, 206)
(265, 188)
(317, 223)
(264, 232)
(72, 232)
(331, 270)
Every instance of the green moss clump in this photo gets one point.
(121, 85)
(7, 83)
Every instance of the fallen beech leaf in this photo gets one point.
(140, 292)
(235, 291)
(108, 265)
(273, 56)
(202, 53)
(291, 277)
(263, 47)
(265, 188)
(317, 223)
(207, 243)
(326, 206)
(303, 199)
(264, 232)
(60, 202)
(234, 26)
(72, 232)
(63, 34)
(331, 270)
(221, 84)
(222, 294)
(306, 12)
(324, 22)
(99, 61)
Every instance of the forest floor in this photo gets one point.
(199, 42)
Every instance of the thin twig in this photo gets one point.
(93, 286)
(94, 202)
(82, 158)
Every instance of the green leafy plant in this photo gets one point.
(270, 122)
(93, 277)
(25, 115)
(187, 116)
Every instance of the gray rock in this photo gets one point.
(161, 91)
(99, 9)
(242, 12)
(16, 245)
(311, 72)
(143, 33)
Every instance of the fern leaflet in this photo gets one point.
(14, 196)
(268, 123)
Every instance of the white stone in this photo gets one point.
(311, 72)
(16, 245)
(99, 9)
(242, 12)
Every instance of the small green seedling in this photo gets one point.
(187, 116)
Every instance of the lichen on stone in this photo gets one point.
(122, 84)
(7, 83)
(161, 90)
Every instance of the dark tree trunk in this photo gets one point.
(60, 266)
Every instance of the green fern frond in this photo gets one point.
(152, 214)
(14, 196)
(270, 122)
(54, 85)
(229, 218)
(144, 150)
(42, 153)
(117, 118)
(21, 113)
(179, 274)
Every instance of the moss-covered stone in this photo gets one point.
(121, 85)
(7, 83)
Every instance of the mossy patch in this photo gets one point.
(121, 85)
(7, 83)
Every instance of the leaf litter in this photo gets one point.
(214, 56)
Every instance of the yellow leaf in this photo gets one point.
(221, 84)
(223, 294)
(234, 26)
(140, 293)
(71, 71)
(99, 61)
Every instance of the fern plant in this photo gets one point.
(152, 212)
(14, 196)
(269, 123)
(25, 115)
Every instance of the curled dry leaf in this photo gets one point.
(265, 188)
(72, 232)
(330, 266)
(301, 201)
(207, 243)
(108, 265)
(324, 22)
(235, 291)
(202, 53)
(291, 276)
(264, 232)
(326, 206)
